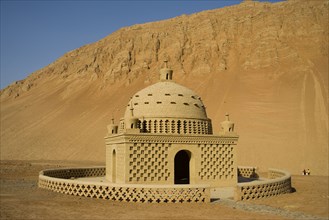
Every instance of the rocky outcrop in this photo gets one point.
(251, 35)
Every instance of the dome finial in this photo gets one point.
(227, 116)
(166, 63)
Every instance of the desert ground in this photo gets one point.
(22, 199)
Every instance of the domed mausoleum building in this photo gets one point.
(166, 137)
(164, 150)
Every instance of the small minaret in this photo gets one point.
(131, 122)
(112, 128)
(166, 73)
(227, 126)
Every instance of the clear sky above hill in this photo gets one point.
(36, 33)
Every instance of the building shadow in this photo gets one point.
(242, 179)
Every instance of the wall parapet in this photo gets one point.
(173, 138)
(275, 173)
(63, 181)
(248, 172)
(279, 182)
(78, 172)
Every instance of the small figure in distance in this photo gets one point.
(308, 172)
(304, 172)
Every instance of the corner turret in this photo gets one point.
(131, 123)
(112, 128)
(227, 126)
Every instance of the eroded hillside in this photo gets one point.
(266, 64)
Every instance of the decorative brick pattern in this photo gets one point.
(273, 174)
(124, 193)
(266, 188)
(173, 126)
(216, 162)
(148, 162)
(75, 172)
(248, 172)
(202, 139)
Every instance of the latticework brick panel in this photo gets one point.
(125, 193)
(248, 172)
(217, 162)
(148, 162)
(265, 188)
(75, 172)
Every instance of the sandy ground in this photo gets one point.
(22, 199)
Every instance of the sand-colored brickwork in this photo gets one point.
(71, 181)
(150, 158)
(148, 162)
(248, 172)
(64, 181)
(217, 162)
(279, 182)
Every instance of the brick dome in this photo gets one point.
(167, 107)
(166, 99)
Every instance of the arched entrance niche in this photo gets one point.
(182, 167)
(114, 166)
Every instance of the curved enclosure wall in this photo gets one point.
(72, 173)
(247, 172)
(278, 182)
(63, 181)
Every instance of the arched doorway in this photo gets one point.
(114, 166)
(182, 167)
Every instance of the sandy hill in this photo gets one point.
(266, 64)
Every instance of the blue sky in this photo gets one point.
(36, 33)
